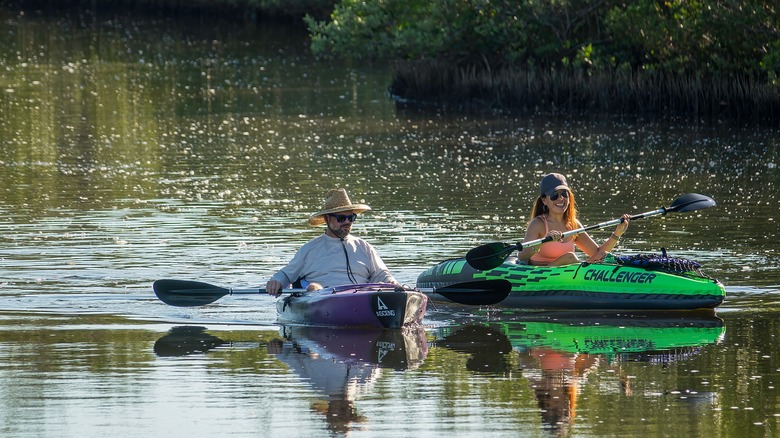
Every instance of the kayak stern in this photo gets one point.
(367, 305)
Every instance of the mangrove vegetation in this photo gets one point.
(701, 58)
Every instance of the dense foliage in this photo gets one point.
(720, 37)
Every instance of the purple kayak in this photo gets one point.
(354, 305)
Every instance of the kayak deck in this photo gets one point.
(367, 305)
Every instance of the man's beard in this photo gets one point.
(340, 232)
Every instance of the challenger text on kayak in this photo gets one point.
(619, 276)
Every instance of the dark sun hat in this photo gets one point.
(552, 182)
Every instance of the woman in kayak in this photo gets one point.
(336, 257)
(554, 213)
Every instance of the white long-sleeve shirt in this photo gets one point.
(324, 261)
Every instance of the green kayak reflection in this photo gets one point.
(556, 352)
(617, 336)
(343, 363)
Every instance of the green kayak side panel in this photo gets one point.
(607, 285)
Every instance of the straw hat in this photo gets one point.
(336, 200)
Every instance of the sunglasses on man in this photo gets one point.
(340, 218)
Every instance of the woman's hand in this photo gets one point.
(595, 258)
(623, 226)
(555, 235)
(611, 241)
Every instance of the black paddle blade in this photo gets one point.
(183, 293)
(477, 293)
(490, 255)
(691, 202)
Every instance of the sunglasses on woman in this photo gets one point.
(340, 218)
(556, 195)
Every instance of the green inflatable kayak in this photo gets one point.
(640, 282)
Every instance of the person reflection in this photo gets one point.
(555, 378)
(338, 380)
(342, 364)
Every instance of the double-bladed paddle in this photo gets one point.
(492, 255)
(185, 293)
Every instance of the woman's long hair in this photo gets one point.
(569, 216)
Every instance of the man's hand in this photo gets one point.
(273, 288)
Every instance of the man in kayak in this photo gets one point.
(554, 213)
(336, 257)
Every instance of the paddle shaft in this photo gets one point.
(232, 291)
(536, 242)
(184, 293)
(252, 291)
(292, 291)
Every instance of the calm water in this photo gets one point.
(133, 150)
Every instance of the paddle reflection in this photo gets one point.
(488, 349)
(556, 352)
(186, 340)
(342, 363)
